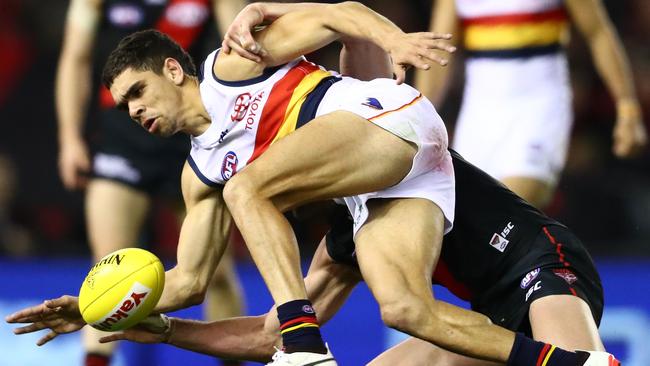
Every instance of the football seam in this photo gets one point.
(117, 283)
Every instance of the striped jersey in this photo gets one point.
(248, 116)
(512, 28)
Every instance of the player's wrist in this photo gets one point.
(169, 331)
(158, 324)
(628, 108)
(70, 137)
(266, 12)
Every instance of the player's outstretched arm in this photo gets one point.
(612, 64)
(202, 242)
(248, 338)
(242, 338)
(203, 239)
(60, 315)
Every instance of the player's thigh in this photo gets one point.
(535, 191)
(416, 352)
(565, 321)
(335, 155)
(398, 247)
(115, 213)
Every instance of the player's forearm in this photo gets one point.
(181, 291)
(73, 86)
(187, 283)
(243, 338)
(353, 19)
(73, 79)
(203, 239)
(272, 11)
(612, 64)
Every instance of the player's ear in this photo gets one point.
(173, 70)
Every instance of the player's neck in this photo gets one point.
(197, 119)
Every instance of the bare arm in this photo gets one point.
(73, 89)
(321, 24)
(225, 12)
(252, 338)
(434, 83)
(239, 35)
(611, 62)
(203, 239)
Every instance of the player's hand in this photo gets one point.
(60, 315)
(74, 164)
(630, 136)
(239, 38)
(153, 329)
(417, 49)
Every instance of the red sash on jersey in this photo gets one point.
(280, 114)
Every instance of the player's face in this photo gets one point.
(153, 101)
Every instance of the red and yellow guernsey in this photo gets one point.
(248, 116)
(512, 28)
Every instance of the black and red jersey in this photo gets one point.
(493, 229)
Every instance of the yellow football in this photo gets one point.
(121, 289)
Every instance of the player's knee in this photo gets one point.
(238, 190)
(400, 313)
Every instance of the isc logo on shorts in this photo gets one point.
(229, 165)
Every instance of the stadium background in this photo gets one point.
(43, 250)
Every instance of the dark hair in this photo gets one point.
(145, 50)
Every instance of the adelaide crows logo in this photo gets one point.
(241, 107)
(372, 103)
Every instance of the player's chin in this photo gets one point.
(164, 132)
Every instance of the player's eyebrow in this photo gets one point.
(133, 89)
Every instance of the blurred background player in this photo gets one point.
(15, 239)
(126, 172)
(516, 114)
